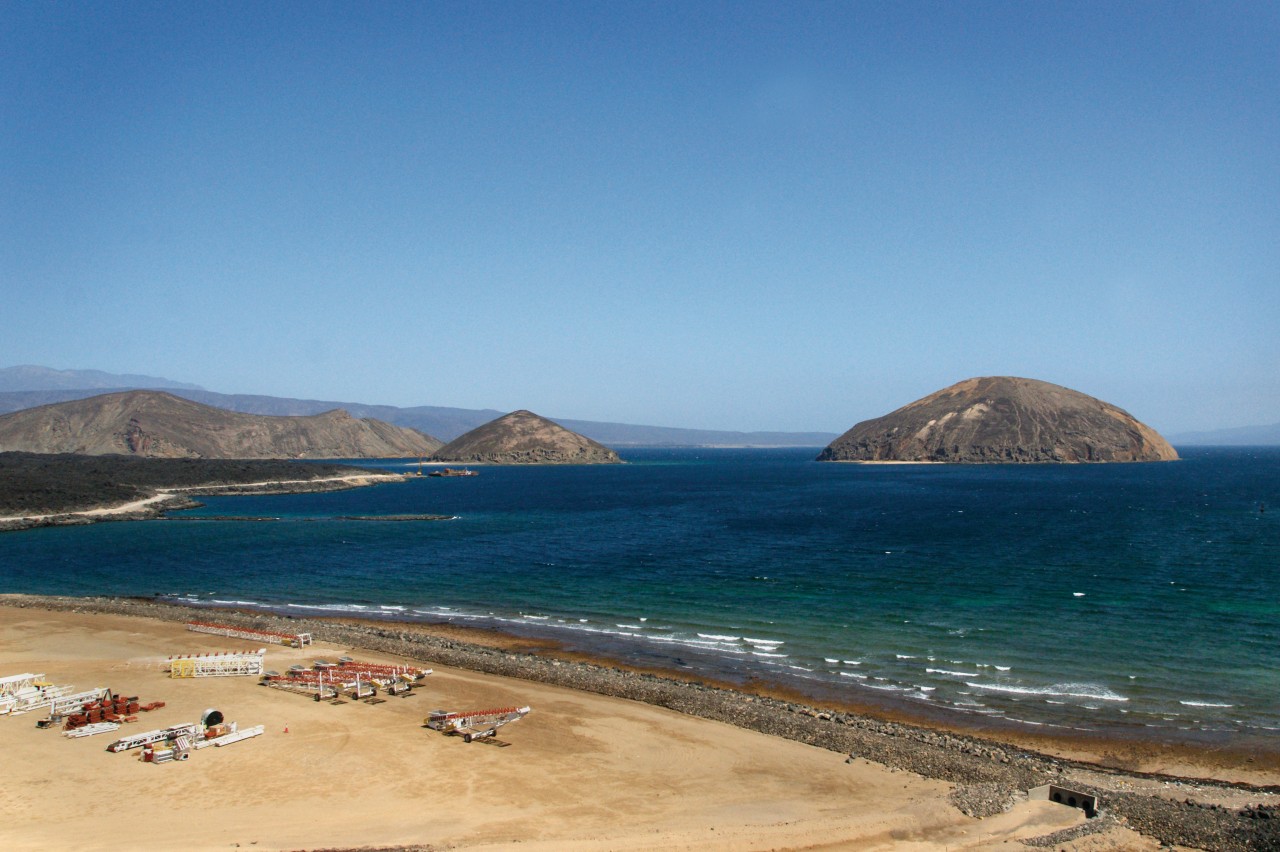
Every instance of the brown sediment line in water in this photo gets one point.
(1201, 799)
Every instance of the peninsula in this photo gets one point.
(52, 490)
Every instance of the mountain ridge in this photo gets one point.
(443, 422)
(158, 424)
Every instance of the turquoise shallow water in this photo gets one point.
(1104, 598)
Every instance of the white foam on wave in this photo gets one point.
(631, 626)
(238, 603)
(766, 654)
(905, 656)
(330, 607)
(535, 617)
(852, 662)
(830, 660)
(1069, 690)
(774, 642)
(953, 674)
(853, 675)
(718, 637)
(1204, 704)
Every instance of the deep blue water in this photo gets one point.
(1095, 597)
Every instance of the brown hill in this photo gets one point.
(158, 424)
(523, 437)
(1002, 419)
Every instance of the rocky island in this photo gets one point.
(523, 437)
(1002, 419)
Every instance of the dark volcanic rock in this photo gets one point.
(159, 425)
(523, 437)
(1002, 419)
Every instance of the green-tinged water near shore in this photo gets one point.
(1107, 598)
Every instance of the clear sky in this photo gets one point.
(786, 216)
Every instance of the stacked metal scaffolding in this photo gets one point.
(158, 735)
(228, 664)
(296, 640)
(23, 692)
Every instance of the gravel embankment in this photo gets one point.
(990, 777)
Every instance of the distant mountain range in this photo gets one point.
(27, 387)
(29, 377)
(1242, 436)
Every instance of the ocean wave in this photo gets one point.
(774, 642)
(1204, 704)
(718, 637)
(952, 673)
(1069, 690)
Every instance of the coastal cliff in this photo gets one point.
(1002, 419)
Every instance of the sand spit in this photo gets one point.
(725, 770)
(173, 499)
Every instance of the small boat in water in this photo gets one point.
(453, 471)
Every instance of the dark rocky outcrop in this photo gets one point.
(523, 437)
(1002, 419)
(155, 424)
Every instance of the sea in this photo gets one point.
(1136, 600)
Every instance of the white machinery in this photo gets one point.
(23, 692)
(92, 729)
(226, 664)
(158, 735)
(475, 724)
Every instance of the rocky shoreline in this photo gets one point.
(990, 776)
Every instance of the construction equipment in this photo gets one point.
(295, 640)
(158, 735)
(91, 729)
(23, 692)
(475, 724)
(349, 677)
(225, 664)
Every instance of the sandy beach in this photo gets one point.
(582, 771)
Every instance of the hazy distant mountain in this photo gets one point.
(156, 424)
(1003, 419)
(523, 437)
(442, 422)
(31, 378)
(1242, 436)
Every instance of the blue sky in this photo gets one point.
(717, 215)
